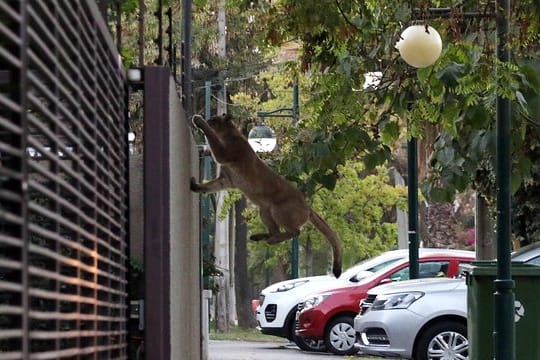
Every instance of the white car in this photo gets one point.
(426, 318)
(278, 302)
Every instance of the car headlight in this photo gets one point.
(291, 285)
(315, 300)
(396, 301)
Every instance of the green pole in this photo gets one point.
(294, 244)
(294, 258)
(412, 198)
(504, 326)
(207, 98)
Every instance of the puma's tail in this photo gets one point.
(323, 227)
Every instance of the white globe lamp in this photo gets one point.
(419, 45)
(262, 139)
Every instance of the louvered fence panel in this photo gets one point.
(63, 184)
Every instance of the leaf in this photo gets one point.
(423, 74)
(451, 74)
(478, 117)
(373, 159)
(390, 132)
(326, 180)
(447, 155)
(438, 194)
(521, 100)
(532, 75)
(515, 181)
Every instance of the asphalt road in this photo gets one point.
(248, 350)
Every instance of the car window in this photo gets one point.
(534, 261)
(381, 265)
(528, 254)
(426, 269)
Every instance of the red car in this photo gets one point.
(325, 319)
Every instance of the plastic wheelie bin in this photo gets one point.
(480, 305)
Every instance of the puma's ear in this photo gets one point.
(227, 117)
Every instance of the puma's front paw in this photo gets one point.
(258, 237)
(198, 121)
(193, 185)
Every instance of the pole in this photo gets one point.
(187, 91)
(294, 244)
(207, 99)
(222, 53)
(504, 326)
(412, 192)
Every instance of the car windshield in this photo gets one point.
(381, 270)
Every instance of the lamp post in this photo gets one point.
(420, 46)
(261, 137)
(504, 326)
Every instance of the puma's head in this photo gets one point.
(221, 123)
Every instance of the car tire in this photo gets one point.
(449, 337)
(340, 336)
(310, 344)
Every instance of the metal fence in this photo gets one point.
(63, 184)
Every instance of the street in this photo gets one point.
(249, 350)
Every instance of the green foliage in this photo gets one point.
(458, 93)
(343, 124)
(361, 209)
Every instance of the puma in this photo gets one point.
(283, 208)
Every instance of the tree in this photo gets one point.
(341, 41)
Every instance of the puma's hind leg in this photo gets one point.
(272, 218)
(282, 236)
(270, 224)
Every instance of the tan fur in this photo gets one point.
(281, 205)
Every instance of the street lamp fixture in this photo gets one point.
(419, 45)
(262, 138)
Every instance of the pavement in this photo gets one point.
(251, 350)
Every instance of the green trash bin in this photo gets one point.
(480, 308)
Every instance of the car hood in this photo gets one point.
(430, 284)
(310, 281)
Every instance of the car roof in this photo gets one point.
(438, 253)
(422, 255)
(399, 255)
(527, 253)
(425, 284)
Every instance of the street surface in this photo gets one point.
(250, 350)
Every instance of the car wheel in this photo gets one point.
(446, 340)
(340, 336)
(310, 344)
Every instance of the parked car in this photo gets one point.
(276, 307)
(426, 317)
(329, 315)
(420, 319)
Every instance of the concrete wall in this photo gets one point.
(185, 247)
(171, 234)
(136, 209)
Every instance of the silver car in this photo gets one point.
(428, 320)
(421, 319)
